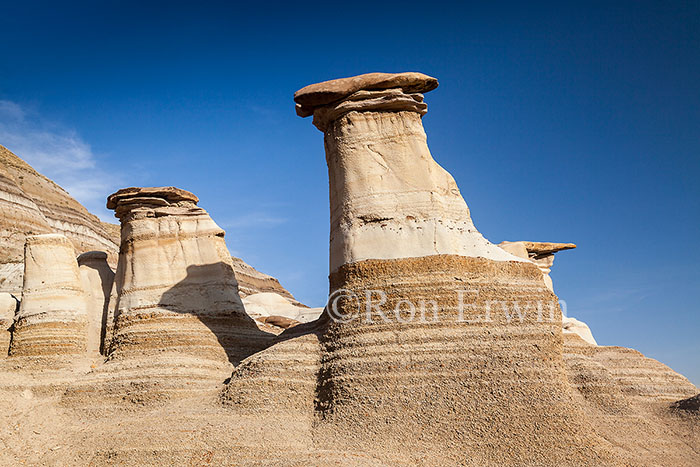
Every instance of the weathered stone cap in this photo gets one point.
(542, 248)
(320, 94)
(168, 193)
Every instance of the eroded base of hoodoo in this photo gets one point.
(481, 383)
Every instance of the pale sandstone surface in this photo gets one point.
(9, 305)
(32, 204)
(175, 282)
(52, 318)
(11, 277)
(97, 279)
(571, 325)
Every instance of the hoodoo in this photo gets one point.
(52, 318)
(176, 288)
(480, 380)
(389, 198)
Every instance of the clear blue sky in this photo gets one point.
(574, 123)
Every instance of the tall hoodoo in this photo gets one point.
(175, 284)
(478, 376)
(389, 198)
(52, 318)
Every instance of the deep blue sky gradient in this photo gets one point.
(563, 121)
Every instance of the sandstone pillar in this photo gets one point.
(176, 288)
(97, 278)
(471, 378)
(52, 318)
(389, 198)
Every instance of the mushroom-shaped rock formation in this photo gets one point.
(389, 198)
(540, 253)
(8, 308)
(97, 278)
(175, 284)
(440, 343)
(52, 319)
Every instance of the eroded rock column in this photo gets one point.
(389, 198)
(175, 283)
(97, 278)
(477, 376)
(52, 318)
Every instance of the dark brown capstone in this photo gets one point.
(317, 95)
(168, 193)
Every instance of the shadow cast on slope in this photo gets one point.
(208, 293)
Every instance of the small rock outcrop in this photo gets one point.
(266, 304)
(175, 283)
(9, 305)
(691, 404)
(581, 329)
(52, 318)
(251, 281)
(540, 253)
(97, 279)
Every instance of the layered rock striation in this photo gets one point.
(175, 283)
(52, 319)
(442, 345)
(251, 281)
(31, 204)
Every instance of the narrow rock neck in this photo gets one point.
(389, 199)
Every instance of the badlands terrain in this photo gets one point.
(146, 343)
